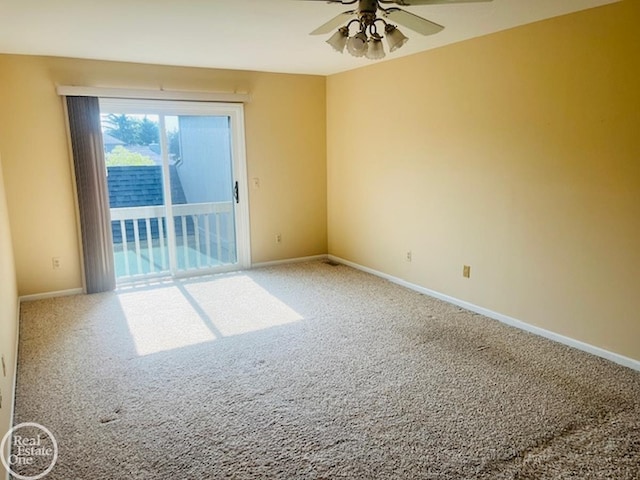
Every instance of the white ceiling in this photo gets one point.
(264, 35)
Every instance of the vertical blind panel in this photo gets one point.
(93, 198)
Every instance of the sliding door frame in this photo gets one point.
(235, 112)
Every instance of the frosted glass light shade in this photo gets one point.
(357, 45)
(395, 38)
(376, 49)
(339, 39)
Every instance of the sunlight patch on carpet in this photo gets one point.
(237, 305)
(161, 320)
(189, 313)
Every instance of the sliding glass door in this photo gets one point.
(176, 174)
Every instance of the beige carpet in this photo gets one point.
(314, 371)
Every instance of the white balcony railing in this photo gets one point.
(204, 238)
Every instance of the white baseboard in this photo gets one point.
(600, 352)
(59, 293)
(15, 362)
(289, 260)
(14, 380)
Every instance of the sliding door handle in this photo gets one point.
(236, 193)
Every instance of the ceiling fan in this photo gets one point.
(368, 15)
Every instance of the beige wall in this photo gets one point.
(518, 154)
(8, 314)
(515, 153)
(285, 131)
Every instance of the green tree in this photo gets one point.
(121, 157)
(148, 132)
(123, 127)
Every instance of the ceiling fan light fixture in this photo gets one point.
(375, 51)
(395, 38)
(368, 15)
(339, 39)
(357, 45)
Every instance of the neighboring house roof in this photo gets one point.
(140, 186)
(137, 187)
(109, 140)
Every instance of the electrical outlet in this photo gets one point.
(466, 271)
(408, 256)
(255, 181)
(278, 238)
(56, 263)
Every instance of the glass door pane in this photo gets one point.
(136, 194)
(177, 185)
(202, 190)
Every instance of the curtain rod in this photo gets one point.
(101, 92)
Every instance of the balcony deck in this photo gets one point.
(204, 239)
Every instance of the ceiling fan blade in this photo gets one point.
(414, 22)
(334, 23)
(408, 3)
